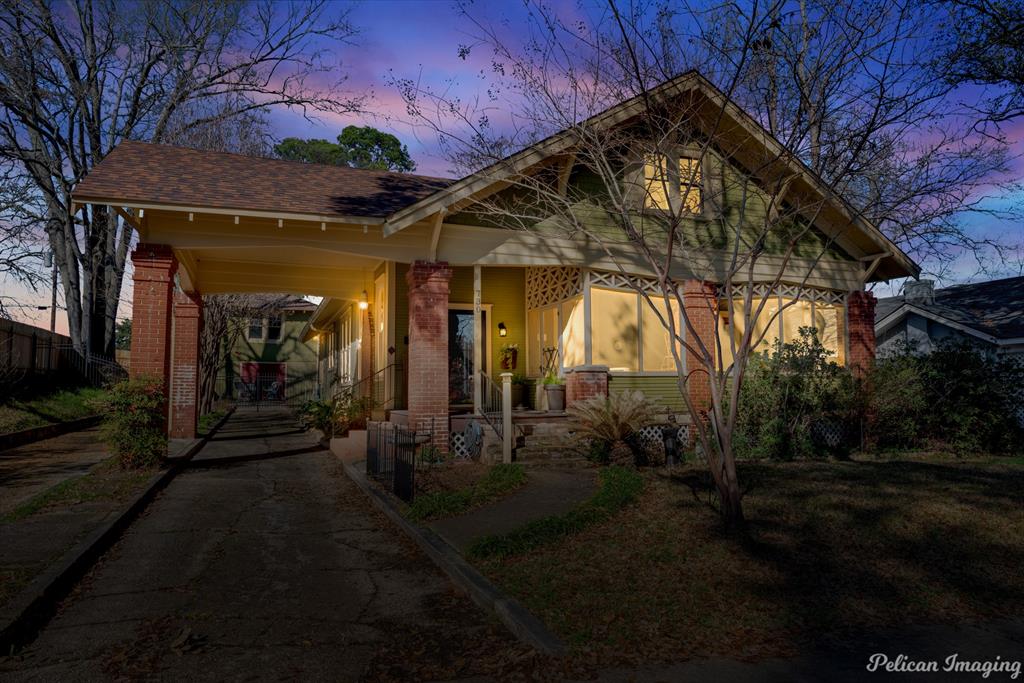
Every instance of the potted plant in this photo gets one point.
(554, 389)
(509, 356)
(518, 390)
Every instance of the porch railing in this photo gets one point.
(496, 406)
(382, 389)
(391, 457)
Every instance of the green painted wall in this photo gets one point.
(300, 357)
(663, 390)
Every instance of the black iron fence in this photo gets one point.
(391, 457)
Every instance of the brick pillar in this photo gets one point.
(585, 381)
(428, 348)
(860, 315)
(155, 267)
(701, 302)
(184, 390)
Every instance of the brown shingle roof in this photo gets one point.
(160, 174)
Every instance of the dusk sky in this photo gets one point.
(419, 39)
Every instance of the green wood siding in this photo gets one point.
(662, 389)
(300, 357)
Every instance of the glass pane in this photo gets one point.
(573, 351)
(691, 184)
(656, 181)
(460, 356)
(549, 336)
(831, 323)
(255, 329)
(656, 337)
(274, 328)
(533, 345)
(614, 337)
(766, 327)
(797, 314)
(724, 330)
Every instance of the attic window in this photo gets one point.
(673, 180)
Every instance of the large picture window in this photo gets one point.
(781, 318)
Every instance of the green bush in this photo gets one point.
(609, 422)
(618, 488)
(500, 479)
(791, 397)
(958, 396)
(134, 425)
(335, 416)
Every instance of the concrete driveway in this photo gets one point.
(262, 561)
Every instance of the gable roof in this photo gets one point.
(140, 172)
(895, 264)
(994, 309)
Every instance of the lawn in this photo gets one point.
(60, 406)
(831, 547)
(455, 489)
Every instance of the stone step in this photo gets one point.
(532, 453)
(554, 463)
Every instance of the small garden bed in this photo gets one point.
(66, 405)
(831, 547)
(450, 490)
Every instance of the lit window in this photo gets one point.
(255, 329)
(684, 187)
(571, 333)
(657, 342)
(615, 336)
(274, 328)
(786, 316)
(830, 320)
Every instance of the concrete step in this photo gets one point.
(554, 463)
(551, 442)
(534, 453)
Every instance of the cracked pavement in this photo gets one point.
(253, 565)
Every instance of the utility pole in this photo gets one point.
(53, 297)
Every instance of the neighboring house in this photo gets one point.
(989, 314)
(270, 362)
(421, 293)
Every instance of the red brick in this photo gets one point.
(428, 349)
(860, 315)
(155, 267)
(701, 301)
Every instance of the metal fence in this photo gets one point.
(391, 457)
(30, 355)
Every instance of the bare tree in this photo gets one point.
(21, 251)
(683, 188)
(78, 78)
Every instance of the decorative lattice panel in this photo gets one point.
(650, 437)
(549, 285)
(457, 445)
(821, 296)
(619, 281)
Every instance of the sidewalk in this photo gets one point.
(546, 493)
(31, 469)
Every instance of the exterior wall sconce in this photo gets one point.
(364, 301)
(502, 330)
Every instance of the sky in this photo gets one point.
(419, 39)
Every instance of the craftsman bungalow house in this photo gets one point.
(418, 288)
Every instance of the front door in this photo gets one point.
(460, 355)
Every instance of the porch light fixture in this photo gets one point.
(364, 301)
(502, 330)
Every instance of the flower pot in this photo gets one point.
(518, 395)
(509, 359)
(556, 397)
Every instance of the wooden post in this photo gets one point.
(478, 354)
(506, 417)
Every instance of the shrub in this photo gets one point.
(958, 395)
(795, 402)
(608, 423)
(134, 425)
(335, 416)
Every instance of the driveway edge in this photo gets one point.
(27, 614)
(523, 625)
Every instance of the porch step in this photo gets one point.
(551, 442)
(543, 458)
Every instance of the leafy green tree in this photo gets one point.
(123, 334)
(357, 147)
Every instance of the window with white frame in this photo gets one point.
(673, 180)
(255, 332)
(627, 332)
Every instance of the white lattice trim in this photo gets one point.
(457, 444)
(615, 280)
(821, 296)
(549, 285)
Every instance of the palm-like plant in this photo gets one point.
(612, 420)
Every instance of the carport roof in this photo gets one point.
(139, 172)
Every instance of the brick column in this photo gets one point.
(155, 267)
(860, 315)
(428, 348)
(184, 389)
(701, 302)
(585, 381)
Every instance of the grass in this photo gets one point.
(207, 421)
(60, 406)
(832, 549)
(618, 488)
(104, 482)
(499, 480)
